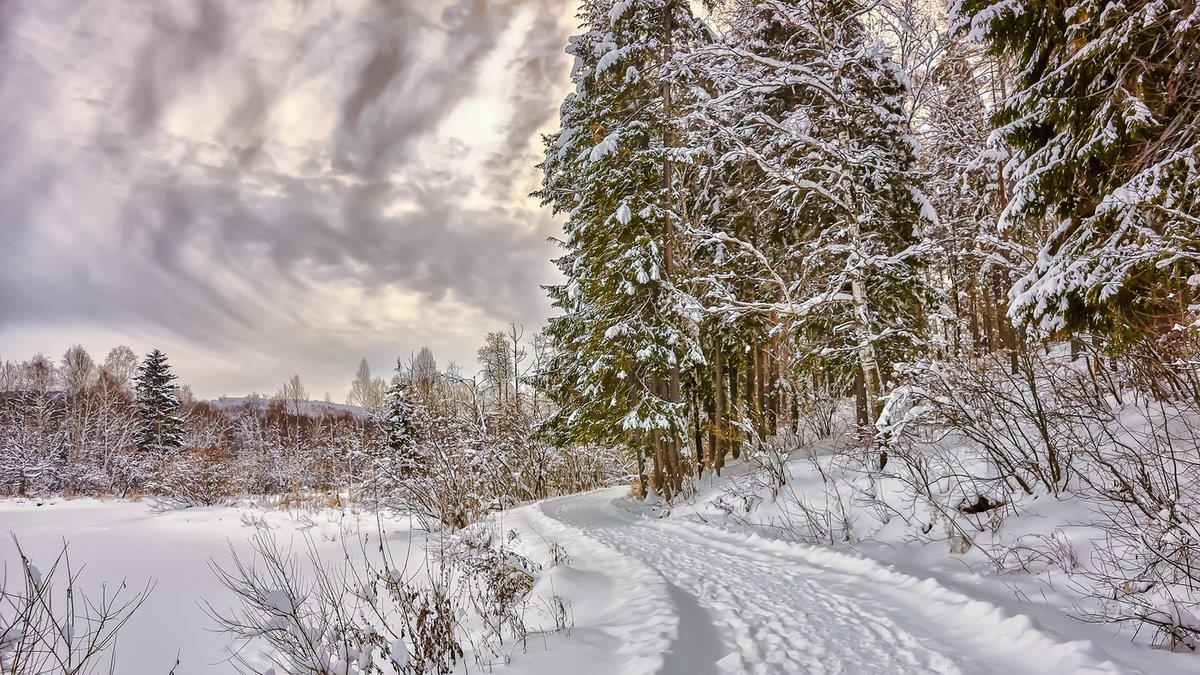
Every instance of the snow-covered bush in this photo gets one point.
(460, 461)
(975, 439)
(496, 579)
(373, 619)
(134, 471)
(1141, 472)
(33, 442)
(195, 477)
(376, 615)
(1017, 418)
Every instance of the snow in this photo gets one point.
(623, 215)
(617, 11)
(399, 653)
(715, 594)
(712, 600)
(123, 540)
(647, 588)
(604, 147)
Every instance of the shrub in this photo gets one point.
(49, 625)
(196, 477)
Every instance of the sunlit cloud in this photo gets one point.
(274, 187)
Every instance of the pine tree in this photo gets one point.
(973, 258)
(815, 192)
(621, 338)
(159, 424)
(399, 417)
(1106, 157)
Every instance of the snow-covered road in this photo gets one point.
(700, 599)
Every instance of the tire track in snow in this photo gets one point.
(645, 619)
(985, 635)
(784, 608)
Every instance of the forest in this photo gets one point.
(429, 442)
(976, 222)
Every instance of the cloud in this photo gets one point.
(285, 181)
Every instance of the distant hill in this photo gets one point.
(312, 408)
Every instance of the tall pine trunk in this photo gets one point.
(720, 419)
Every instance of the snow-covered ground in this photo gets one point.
(646, 591)
(700, 598)
(129, 541)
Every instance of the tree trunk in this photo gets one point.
(973, 316)
(860, 399)
(735, 436)
(760, 395)
(872, 382)
(719, 421)
(641, 462)
(673, 390)
(658, 483)
(751, 421)
(697, 437)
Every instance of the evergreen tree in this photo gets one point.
(399, 417)
(1106, 157)
(621, 336)
(972, 259)
(159, 424)
(814, 189)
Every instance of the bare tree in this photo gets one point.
(496, 365)
(9, 375)
(37, 374)
(293, 395)
(366, 391)
(119, 368)
(77, 371)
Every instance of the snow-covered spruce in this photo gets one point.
(622, 338)
(1106, 156)
(159, 424)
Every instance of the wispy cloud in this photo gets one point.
(286, 185)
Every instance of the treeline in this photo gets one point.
(781, 203)
(126, 427)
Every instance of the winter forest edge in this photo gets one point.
(915, 282)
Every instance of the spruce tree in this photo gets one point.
(399, 417)
(973, 259)
(815, 190)
(621, 335)
(159, 424)
(1106, 157)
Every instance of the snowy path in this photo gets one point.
(700, 599)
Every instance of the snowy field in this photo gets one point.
(132, 542)
(646, 592)
(129, 541)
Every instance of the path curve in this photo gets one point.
(727, 601)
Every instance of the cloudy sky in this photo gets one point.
(263, 187)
